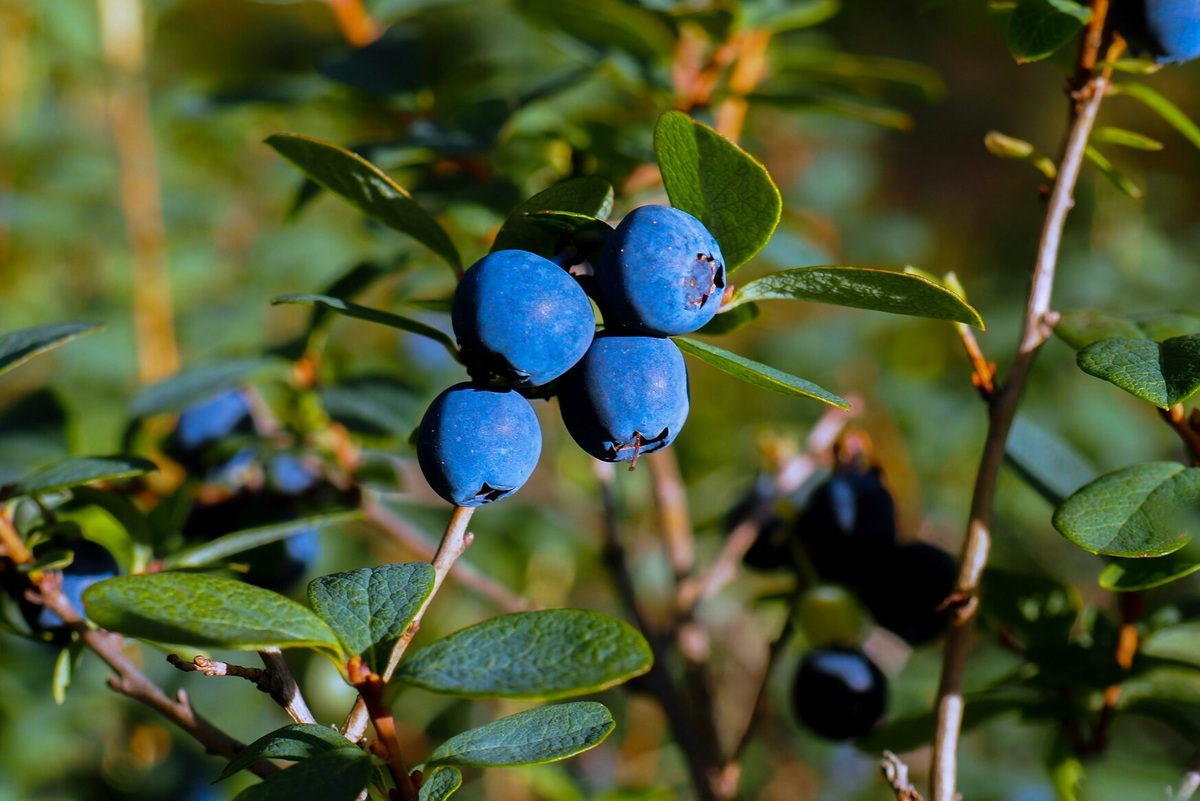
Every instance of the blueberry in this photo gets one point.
(92, 563)
(906, 588)
(849, 518)
(1169, 30)
(206, 423)
(288, 475)
(772, 548)
(476, 445)
(628, 395)
(660, 273)
(521, 317)
(839, 693)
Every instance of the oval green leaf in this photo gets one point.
(440, 784)
(217, 550)
(1163, 373)
(757, 373)
(1179, 643)
(366, 187)
(555, 653)
(369, 609)
(718, 183)
(206, 612)
(349, 309)
(1129, 575)
(533, 737)
(1137, 511)
(1038, 28)
(18, 347)
(297, 742)
(338, 775)
(862, 288)
(589, 196)
(83, 470)
(1083, 328)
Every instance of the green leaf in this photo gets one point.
(1168, 683)
(758, 374)
(18, 347)
(369, 609)
(440, 784)
(1080, 329)
(1162, 373)
(1136, 511)
(1046, 461)
(82, 470)
(338, 775)
(1120, 136)
(1114, 176)
(548, 654)
(718, 183)
(197, 384)
(206, 612)
(122, 509)
(1129, 575)
(1180, 643)
(731, 319)
(364, 186)
(809, 99)
(533, 737)
(588, 196)
(372, 315)
(606, 23)
(1065, 768)
(1007, 147)
(854, 69)
(217, 550)
(1038, 28)
(790, 16)
(861, 288)
(297, 742)
(375, 405)
(1034, 608)
(1161, 106)
(64, 670)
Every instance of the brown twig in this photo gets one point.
(405, 536)
(371, 688)
(1187, 429)
(983, 372)
(1002, 409)
(207, 666)
(283, 687)
(896, 773)
(454, 543)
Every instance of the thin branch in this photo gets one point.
(983, 372)
(416, 542)
(1186, 429)
(371, 688)
(454, 543)
(1191, 780)
(1002, 410)
(207, 666)
(674, 519)
(896, 773)
(283, 687)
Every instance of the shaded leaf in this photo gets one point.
(1038, 28)
(369, 609)
(1034, 608)
(789, 16)
(338, 775)
(440, 784)
(548, 654)
(1080, 329)
(1161, 106)
(1173, 684)
(1180, 643)
(861, 288)
(121, 507)
(1136, 511)
(589, 196)
(297, 742)
(65, 666)
(606, 23)
(374, 405)
(1124, 138)
(823, 101)
(1046, 461)
(1128, 575)
(221, 548)
(847, 68)
(758, 374)
(364, 186)
(203, 611)
(196, 384)
(533, 737)
(82, 470)
(372, 315)
(718, 183)
(1162, 373)
(1115, 177)
(18, 347)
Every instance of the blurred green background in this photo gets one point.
(474, 106)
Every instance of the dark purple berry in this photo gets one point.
(477, 445)
(1167, 30)
(839, 693)
(660, 273)
(848, 519)
(906, 590)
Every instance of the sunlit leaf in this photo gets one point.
(589, 196)
(533, 737)
(757, 373)
(216, 550)
(82, 470)
(1124, 138)
(389, 319)
(1130, 575)
(1163, 373)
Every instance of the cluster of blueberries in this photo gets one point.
(846, 531)
(525, 326)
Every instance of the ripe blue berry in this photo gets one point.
(628, 395)
(205, 424)
(839, 693)
(848, 519)
(521, 317)
(477, 445)
(906, 588)
(660, 273)
(92, 563)
(1169, 30)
